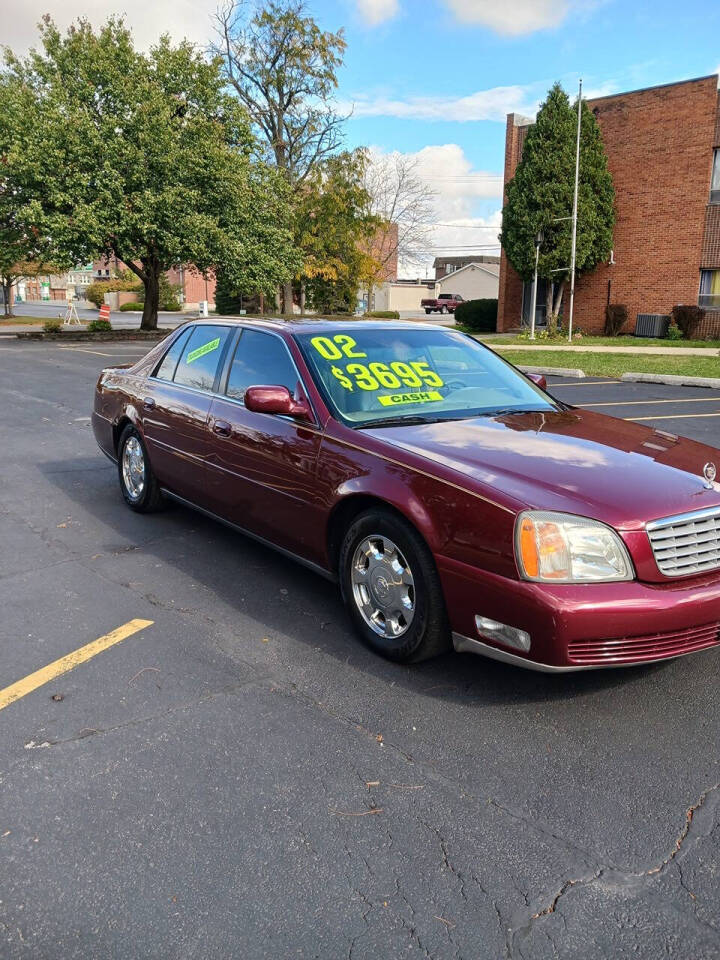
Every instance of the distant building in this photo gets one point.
(474, 281)
(663, 147)
(445, 265)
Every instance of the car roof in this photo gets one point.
(318, 324)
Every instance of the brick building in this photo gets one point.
(663, 147)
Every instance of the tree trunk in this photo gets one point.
(302, 299)
(278, 300)
(7, 298)
(152, 296)
(550, 321)
(288, 298)
(559, 297)
(262, 304)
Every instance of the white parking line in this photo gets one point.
(635, 403)
(676, 416)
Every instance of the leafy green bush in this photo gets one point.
(132, 305)
(479, 316)
(126, 280)
(169, 294)
(674, 332)
(687, 318)
(99, 326)
(616, 315)
(383, 314)
(53, 326)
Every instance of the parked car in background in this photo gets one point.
(454, 500)
(445, 303)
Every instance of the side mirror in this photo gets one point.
(537, 378)
(277, 400)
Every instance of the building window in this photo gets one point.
(710, 289)
(715, 182)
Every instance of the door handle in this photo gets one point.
(149, 403)
(222, 427)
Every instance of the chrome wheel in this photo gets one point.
(383, 586)
(133, 468)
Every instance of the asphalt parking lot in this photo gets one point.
(233, 775)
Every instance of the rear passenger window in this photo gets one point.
(166, 369)
(201, 356)
(261, 359)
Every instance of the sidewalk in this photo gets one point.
(579, 347)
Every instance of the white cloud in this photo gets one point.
(459, 189)
(179, 18)
(374, 12)
(491, 104)
(514, 16)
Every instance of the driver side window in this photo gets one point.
(261, 359)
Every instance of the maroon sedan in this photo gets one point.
(454, 500)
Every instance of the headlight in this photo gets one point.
(561, 548)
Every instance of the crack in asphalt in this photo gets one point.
(611, 878)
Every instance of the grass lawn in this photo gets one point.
(614, 364)
(12, 321)
(589, 341)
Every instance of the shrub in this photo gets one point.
(53, 326)
(687, 318)
(168, 294)
(99, 326)
(616, 315)
(95, 293)
(674, 332)
(383, 314)
(133, 305)
(479, 316)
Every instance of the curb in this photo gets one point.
(83, 336)
(672, 380)
(572, 372)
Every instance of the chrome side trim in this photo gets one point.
(315, 567)
(464, 644)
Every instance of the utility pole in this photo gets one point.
(574, 215)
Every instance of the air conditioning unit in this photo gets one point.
(652, 325)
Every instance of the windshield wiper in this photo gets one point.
(409, 420)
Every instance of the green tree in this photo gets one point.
(283, 68)
(143, 157)
(540, 197)
(335, 229)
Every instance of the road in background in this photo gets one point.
(55, 308)
(243, 779)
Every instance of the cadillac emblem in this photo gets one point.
(709, 472)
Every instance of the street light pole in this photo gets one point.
(574, 216)
(538, 241)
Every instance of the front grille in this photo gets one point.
(687, 544)
(639, 649)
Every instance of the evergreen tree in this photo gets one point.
(540, 197)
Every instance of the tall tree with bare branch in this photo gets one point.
(403, 202)
(283, 68)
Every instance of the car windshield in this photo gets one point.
(370, 375)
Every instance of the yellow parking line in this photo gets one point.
(84, 350)
(56, 669)
(677, 416)
(635, 403)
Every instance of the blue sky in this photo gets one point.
(435, 78)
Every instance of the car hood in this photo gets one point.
(575, 461)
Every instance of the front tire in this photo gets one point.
(391, 588)
(138, 483)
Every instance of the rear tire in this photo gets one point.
(138, 483)
(391, 588)
(428, 312)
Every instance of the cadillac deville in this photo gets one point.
(453, 499)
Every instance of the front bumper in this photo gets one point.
(583, 626)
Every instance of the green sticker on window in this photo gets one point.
(201, 351)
